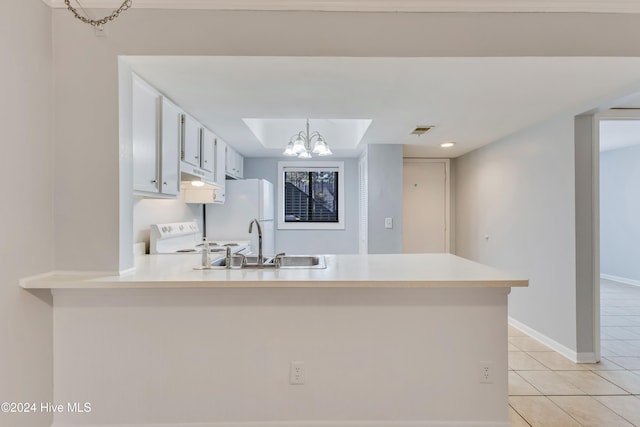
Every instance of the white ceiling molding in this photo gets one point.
(589, 6)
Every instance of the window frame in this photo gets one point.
(306, 166)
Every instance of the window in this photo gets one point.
(310, 195)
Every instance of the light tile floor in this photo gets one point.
(548, 390)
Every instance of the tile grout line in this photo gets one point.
(521, 416)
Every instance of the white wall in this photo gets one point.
(26, 213)
(620, 213)
(220, 357)
(520, 193)
(313, 241)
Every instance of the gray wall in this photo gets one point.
(26, 169)
(520, 192)
(384, 164)
(314, 241)
(586, 255)
(620, 213)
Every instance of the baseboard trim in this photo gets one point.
(619, 279)
(310, 424)
(554, 345)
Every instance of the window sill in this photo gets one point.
(310, 226)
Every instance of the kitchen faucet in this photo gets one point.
(260, 257)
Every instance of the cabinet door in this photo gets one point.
(220, 152)
(235, 162)
(145, 137)
(170, 148)
(207, 160)
(230, 161)
(191, 141)
(239, 165)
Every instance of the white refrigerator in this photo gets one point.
(246, 199)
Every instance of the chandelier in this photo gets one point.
(97, 23)
(303, 144)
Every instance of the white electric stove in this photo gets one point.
(186, 237)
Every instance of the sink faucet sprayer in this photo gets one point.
(260, 257)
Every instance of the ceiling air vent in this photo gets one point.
(421, 130)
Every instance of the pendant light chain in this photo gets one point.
(98, 22)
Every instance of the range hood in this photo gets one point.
(190, 173)
(199, 192)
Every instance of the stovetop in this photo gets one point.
(185, 237)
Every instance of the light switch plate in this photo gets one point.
(388, 223)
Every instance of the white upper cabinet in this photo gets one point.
(239, 165)
(146, 101)
(208, 158)
(234, 163)
(191, 141)
(171, 133)
(221, 160)
(169, 144)
(156, 133)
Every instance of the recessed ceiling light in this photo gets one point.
(447, 144)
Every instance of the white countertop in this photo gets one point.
(343, 271)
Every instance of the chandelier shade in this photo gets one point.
(304, 143)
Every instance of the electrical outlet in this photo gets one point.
(296, 373)
(388, 223)
(486, 372)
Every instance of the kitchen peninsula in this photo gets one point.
(384, 340)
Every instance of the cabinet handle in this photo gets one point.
(165, 183)
(196, 157)
(154, 181)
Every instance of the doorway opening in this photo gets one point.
(619, 234)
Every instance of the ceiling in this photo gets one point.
(471, 101)
(344, 134)
(608, 6)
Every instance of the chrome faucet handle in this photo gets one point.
(278, 259)
(205, 255)
(227, 258)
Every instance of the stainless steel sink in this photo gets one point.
(302, 261)
(251, 261)
(285, 262)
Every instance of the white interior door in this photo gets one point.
(425, 210)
